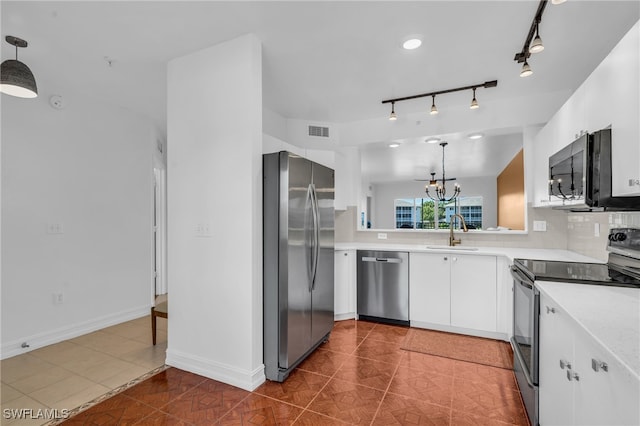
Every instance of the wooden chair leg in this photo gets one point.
(153, 325)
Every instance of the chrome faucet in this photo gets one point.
(453, 241)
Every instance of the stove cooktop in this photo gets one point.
(577, 272)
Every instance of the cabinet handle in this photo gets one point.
(446, 258)
(564, 364)
(597, 365)
(572, 375)
(455, 259)
(551, 310)
(345, 254)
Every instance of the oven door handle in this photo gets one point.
(523, 365)
(520, 277)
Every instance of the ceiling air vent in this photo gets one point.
(322, 132)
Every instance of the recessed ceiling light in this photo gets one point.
(394, 145)
(432, 140)
(476, 136)
(557, 1)
(412, 43)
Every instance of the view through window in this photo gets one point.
(424, 213)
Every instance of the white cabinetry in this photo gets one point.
(580, 382)
(608, 97)
(453, 290)
(345, 284)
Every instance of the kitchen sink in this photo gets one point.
(452, 248)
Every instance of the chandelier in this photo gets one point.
(439, 184)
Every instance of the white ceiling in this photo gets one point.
(322, 61)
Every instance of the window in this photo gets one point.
(424, 213)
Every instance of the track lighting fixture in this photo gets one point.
(536, 44)
(531, 44)
(526, 69)
(474, 101)
(17, 79)
(434, 109)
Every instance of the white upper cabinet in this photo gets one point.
(610, 96)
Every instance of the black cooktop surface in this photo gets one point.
(576, 272)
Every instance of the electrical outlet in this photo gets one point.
(540, 225)
(203, 230)
(58, 298)
(55, 228)
(382, 236)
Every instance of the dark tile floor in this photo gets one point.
(361, 376)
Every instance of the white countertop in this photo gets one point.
(508, 252)
(611, 315)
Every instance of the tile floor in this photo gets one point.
(67, 374)
(361, 376)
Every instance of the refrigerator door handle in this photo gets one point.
(316, 234)
(309, 239)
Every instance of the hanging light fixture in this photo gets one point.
(536, 44)
(16, 78)
(393, 116)
(474, 101)
(434, 109)
(526, 70)
(439, 184)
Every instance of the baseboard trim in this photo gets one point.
(244, 379)
(341, 317)
(46, 338)
(468, 331)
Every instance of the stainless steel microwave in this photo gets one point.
(580, 175)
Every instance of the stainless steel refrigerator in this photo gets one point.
(298, 227)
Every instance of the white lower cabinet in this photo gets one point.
(345, 284)
(453, 290)
(580, 382)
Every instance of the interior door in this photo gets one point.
(295, 284)
(323, 287)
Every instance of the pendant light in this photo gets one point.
(536, 44)
(17, 79)
(434, 109)
(474, 101)
(393, 116)
(526, 70)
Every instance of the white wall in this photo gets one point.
(215, 184)
(87, 167)
(384, 195)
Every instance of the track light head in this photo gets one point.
(526, 70)
(536, 45)
(434, 109)
(393, 116)
(474, 101)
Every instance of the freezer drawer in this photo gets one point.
(383, 286)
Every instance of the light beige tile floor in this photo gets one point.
(70, 373)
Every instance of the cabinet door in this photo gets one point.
(429, 297)
(556, 346)
(473, 292)
(345, 284)
(608, 396)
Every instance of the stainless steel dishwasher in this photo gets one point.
(383, 286)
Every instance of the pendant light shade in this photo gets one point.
(536, 44)
(434, 109)
(526, 70)
(474, 101)
(393, 116)
(16, 78)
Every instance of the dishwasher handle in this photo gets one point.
(382, 259)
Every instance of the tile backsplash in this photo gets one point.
(584, 233)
